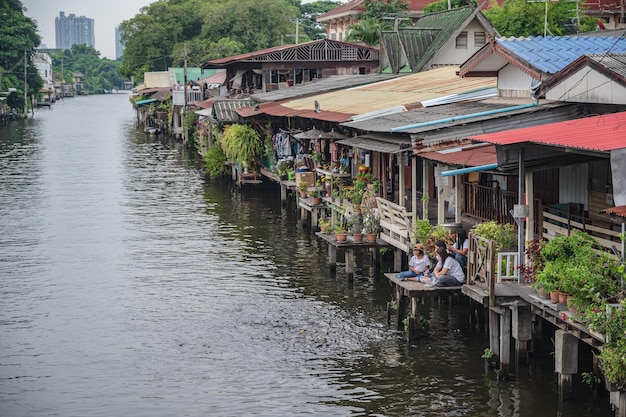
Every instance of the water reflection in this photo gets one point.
(130, 284)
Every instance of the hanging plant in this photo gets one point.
(241, 143)
(215, 162)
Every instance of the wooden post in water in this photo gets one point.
(401, 301)
(494, 332)
(505, 341)
(565, 361)
(397, 259)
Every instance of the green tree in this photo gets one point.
(366, 31)
(309, 13)
(101, 74)
(442, 5)
(18, 40)
(155, 39)
(378, 15)
(529, 18)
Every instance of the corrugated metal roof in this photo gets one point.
(598, 133)
(322, 85)
(385, 143)
(431, 114)
(406, 90)
(552, 54)
(619, 211)
(225, 110)
(464, 156)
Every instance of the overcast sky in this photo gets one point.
(107, 14)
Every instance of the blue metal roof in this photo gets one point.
(552, 54)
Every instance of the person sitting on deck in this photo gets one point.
(418, 265)
(460, 248)
(438, 244)
(448, 272)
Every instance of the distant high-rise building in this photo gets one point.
(72, 30)
(119, 48)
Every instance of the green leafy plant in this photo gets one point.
(303, 186)
(215, 162)
(422, 230)
(487, 354)
(502, 234)
(241, 143)
(589, 378)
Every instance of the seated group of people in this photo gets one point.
(449, 271)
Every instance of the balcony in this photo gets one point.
(193, 96)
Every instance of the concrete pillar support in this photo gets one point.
(565, 361)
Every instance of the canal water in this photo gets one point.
(132, 286)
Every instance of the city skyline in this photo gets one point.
(105, 19)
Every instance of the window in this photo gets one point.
(479, 39)
(461, 41)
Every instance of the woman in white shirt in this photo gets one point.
(418, 265)
(460, 248)
(448, 272)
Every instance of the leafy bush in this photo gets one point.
(502, 234)
(215, 162)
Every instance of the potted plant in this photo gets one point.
(341, 232)
(371, 225)
(324, 224)
(241, 143)
(304, 188)
(357, 229)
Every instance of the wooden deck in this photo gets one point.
(413, 290)
(349, 246)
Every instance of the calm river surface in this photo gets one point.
(132, 287)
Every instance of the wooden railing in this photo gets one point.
(480, 263)
(489, 203)
(396, 225)
(563, 222)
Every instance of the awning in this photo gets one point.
(464, 156)
(144, 102)
(468, 170)
(204, 112)
(384, 143)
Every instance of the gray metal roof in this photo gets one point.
(551, 113)
(614, 62)
(322, 85)
(224, 110)
(379, 142)
(430, 114)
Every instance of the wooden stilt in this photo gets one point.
(494, 332)
(505, 341)
(414, 321)
(401, 301)
(350, 262)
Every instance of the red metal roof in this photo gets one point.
(619, 211)
(599, 133)
(466, 157)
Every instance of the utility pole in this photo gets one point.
(185, 89)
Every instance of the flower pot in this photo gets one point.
(323, 229)
(554, 296)
(358, 237)
(563, 297)
(371, 237)
(542, 293)
(317, 200)
(302, 194)
(341, 237)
